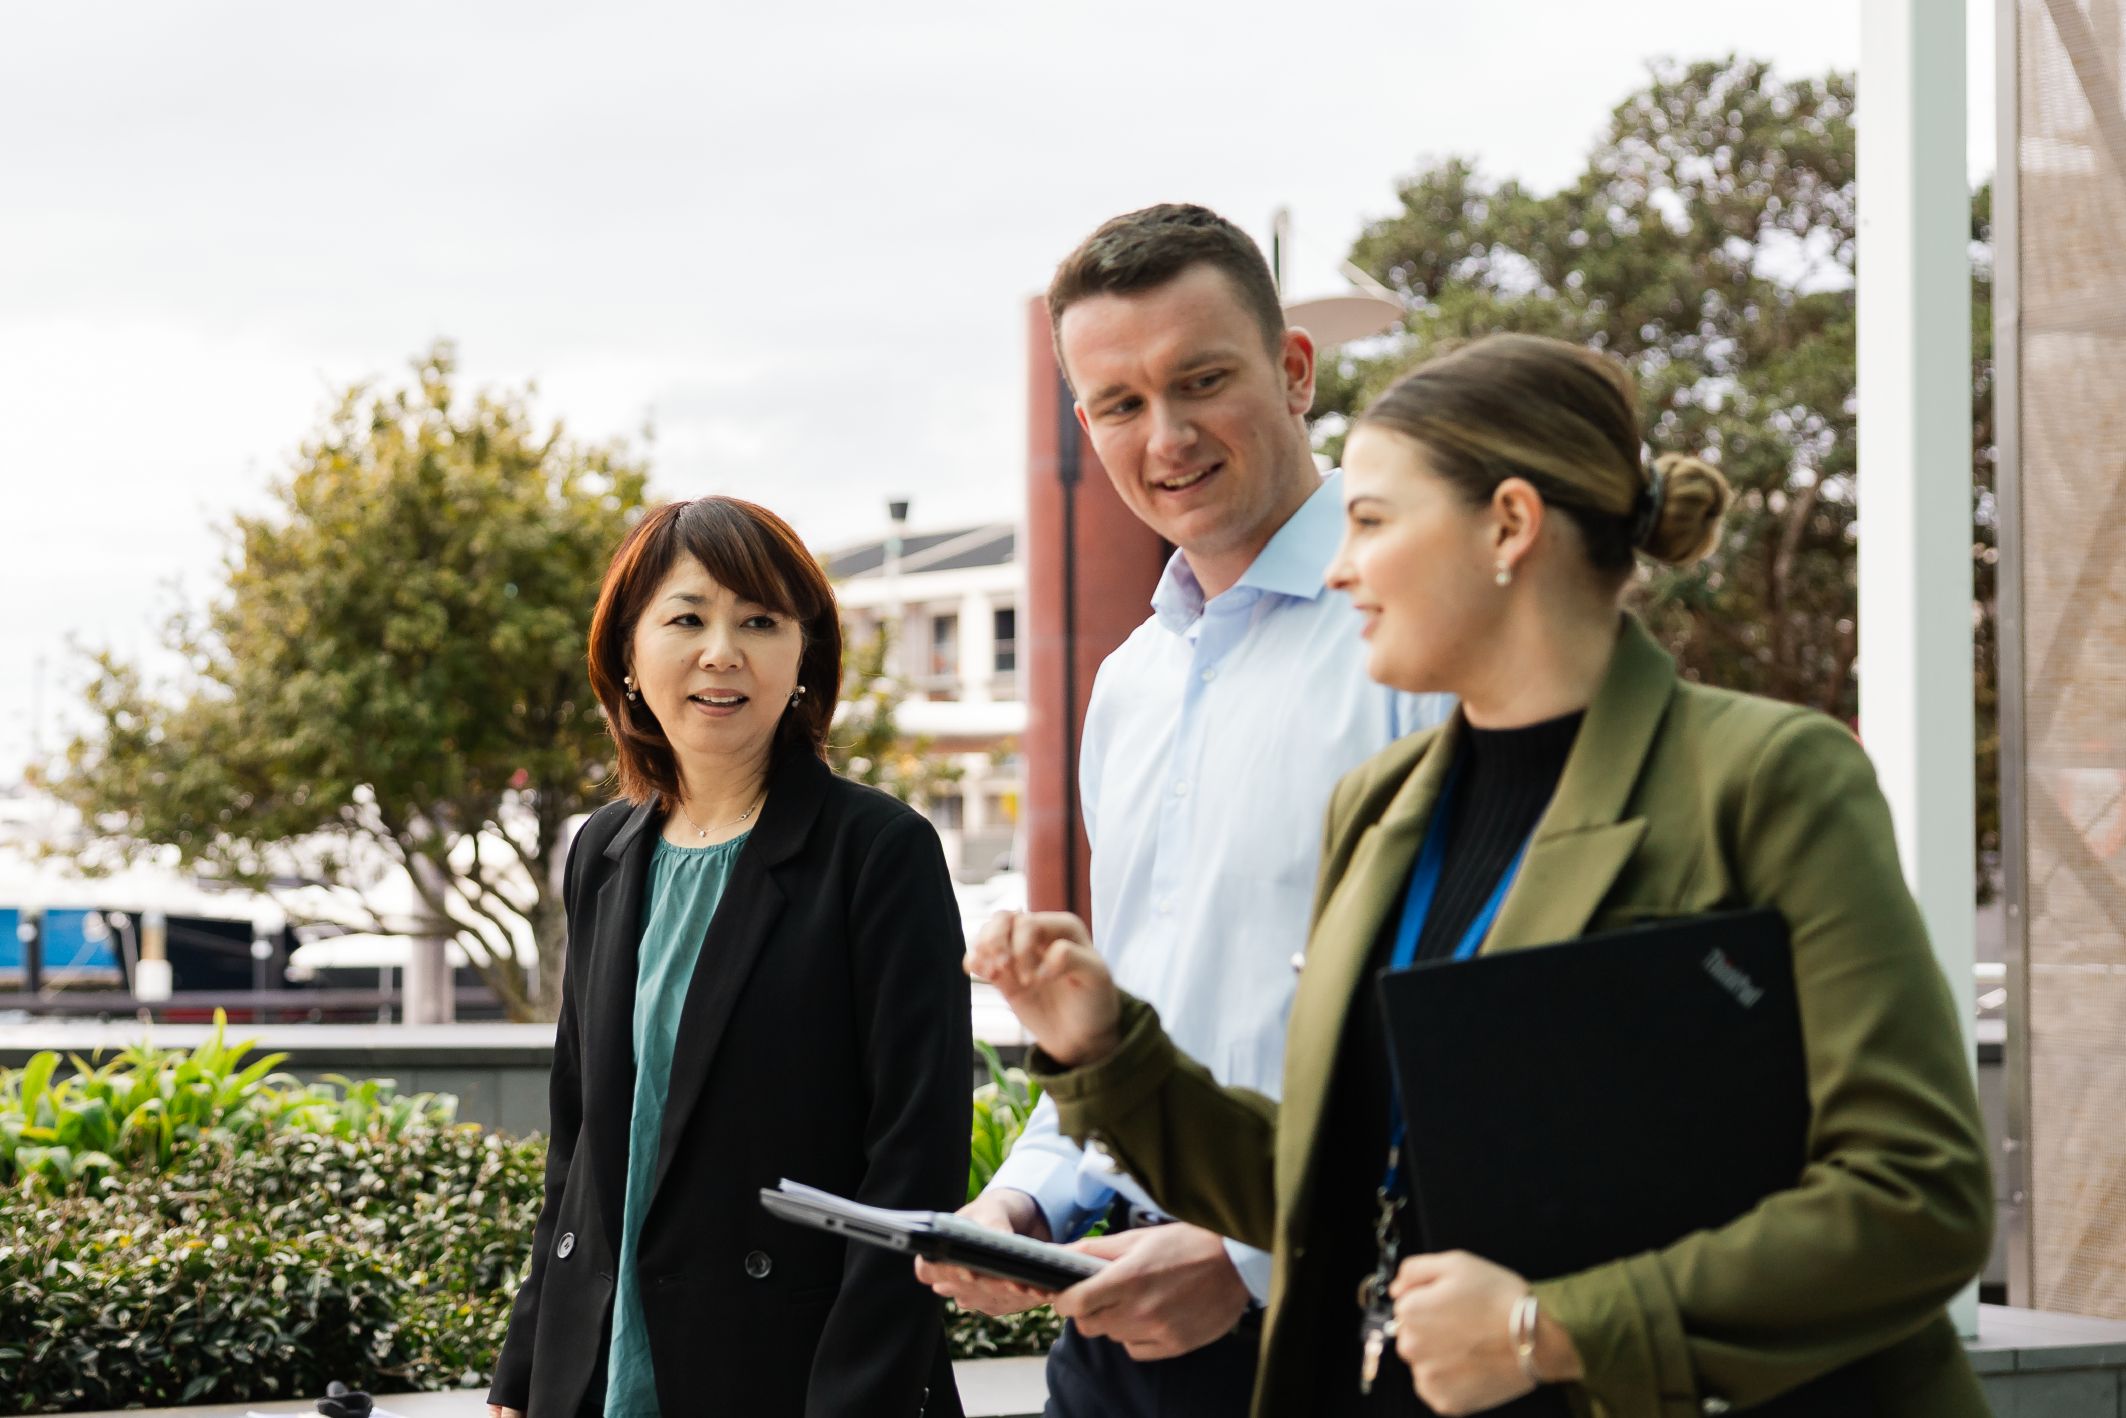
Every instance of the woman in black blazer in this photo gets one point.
(816, 1029)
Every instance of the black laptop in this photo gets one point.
(1576, 1103)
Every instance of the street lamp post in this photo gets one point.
(29, 933)
(897, 530)
(1069, 472)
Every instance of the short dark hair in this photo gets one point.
(1144, 249)
(748, 550)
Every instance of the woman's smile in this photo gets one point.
(717, 703)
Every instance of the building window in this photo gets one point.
(1005, 636)
(947, 811)
(945, 645)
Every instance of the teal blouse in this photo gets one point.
(685, 885)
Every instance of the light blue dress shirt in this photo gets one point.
(1215, 735)
(685, 885)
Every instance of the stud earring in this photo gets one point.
(633, 694)
(796, 694)
(1505, 575)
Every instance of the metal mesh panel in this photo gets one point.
(2070, 221)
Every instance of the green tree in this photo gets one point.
(1710, 243)
(390, 678)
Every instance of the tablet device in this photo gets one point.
(933, 1235)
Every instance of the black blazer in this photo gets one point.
(824, 1038)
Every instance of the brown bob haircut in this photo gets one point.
(1142, 250)
(748, 550)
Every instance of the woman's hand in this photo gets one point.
(1044, 965)
(496, 1410)
(1453, 1327)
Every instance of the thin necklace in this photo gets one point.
(703, 832)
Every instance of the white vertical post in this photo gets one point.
(978, 654)
(152, 976)
(431, 989)
(431, 986)
(1915, 465)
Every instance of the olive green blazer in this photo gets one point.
(1676, 800)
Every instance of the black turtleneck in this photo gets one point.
(1507, 777)
(1504, 779)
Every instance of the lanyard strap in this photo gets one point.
(1417, 909)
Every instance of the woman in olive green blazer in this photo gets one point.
(1675, 799)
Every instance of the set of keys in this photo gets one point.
(1376, 1329)
(1376, 1315)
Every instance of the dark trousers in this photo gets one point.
(1096, 1378)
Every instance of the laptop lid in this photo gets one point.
(1571, 1104)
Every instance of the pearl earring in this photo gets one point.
(797, 694)
(632, 693)
(1505, 576)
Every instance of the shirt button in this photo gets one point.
(758, 1265)
(1181, 789)
(567, 1247)
(1299, 961)
(1209, 675)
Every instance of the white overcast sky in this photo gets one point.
(798, 239)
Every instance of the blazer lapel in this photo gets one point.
(1350, 922)
(737, 934)
(1583, 839)
(609, 1012)
(1581, 843)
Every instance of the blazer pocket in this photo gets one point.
(573, 1304)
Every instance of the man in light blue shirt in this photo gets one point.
(1215, 735)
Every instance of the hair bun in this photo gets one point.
(1682, 521)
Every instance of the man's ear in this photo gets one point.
(1295, 359)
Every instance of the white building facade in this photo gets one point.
(953, 599)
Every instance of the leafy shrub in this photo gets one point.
(144, 1107)
(103, 1304)
(1001, 1107)
(249, 1272)
(183, 1228)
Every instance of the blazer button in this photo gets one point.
(758, 1265)
(567, 1247)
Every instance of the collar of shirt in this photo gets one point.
(1292, 564)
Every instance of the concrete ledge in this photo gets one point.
(989, 1388)
(498, 1072)
(2035, 1364)
(1002, 1388)
(326, 1047)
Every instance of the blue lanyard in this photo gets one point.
(1417, 908)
